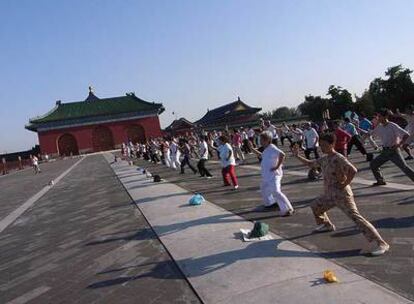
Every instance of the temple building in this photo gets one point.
(235, 114)
(180, 127)
(96, 124)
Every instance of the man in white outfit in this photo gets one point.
(175, 155)
(272, 173)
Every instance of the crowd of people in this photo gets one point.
(334, 138)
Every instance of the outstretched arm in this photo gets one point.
(305, 161)
(253, 149)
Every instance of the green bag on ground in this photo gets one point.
(260, 229)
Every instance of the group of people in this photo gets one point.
(334, 138)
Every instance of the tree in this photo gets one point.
(283, 113)
(365, 104)
(340, 101)
(396, 91)
(314, 106)
(280, 113)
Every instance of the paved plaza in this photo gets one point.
(87, 241)
(82, 242)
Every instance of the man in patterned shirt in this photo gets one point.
(338, 173)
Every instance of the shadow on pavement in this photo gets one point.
(195, 267)
(142, 234)
(162, 270)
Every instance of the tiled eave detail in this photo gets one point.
(56, 125)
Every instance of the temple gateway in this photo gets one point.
(96, 124)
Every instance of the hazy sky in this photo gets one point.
(191, 55)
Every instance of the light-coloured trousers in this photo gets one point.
(347, 204)
(175, 161)
(238, 153)
(272, 193)
(167, 158)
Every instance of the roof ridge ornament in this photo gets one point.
(91, 95)
(238, 98)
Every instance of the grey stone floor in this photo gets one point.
(390, 210)
(17, 187)
(83, 242)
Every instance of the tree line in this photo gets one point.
(394, 91)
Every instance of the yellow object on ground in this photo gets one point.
(330, 277)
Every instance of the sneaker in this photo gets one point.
(208, 177)
(380, 250)
(409, 158)
(376, 184)
(370, 156)
(324, 228)
(236, 187)
(288, 213)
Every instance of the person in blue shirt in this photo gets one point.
(355, 139)
(365, 125)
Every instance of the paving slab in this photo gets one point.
(19, 186)
(206, 244)
(85, 241)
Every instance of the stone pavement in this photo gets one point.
(21, 185)
(391, 210)
(82, 242)
(205, 243)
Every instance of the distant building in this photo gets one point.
(180, 127)
(235, 114)
(96, 124)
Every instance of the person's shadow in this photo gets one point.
(194, 267)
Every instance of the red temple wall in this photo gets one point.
(83, 135)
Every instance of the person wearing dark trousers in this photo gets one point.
(350, 128)
(311, 141)
(203, 151)
(393, 137)
(186, 150)
(308, 152)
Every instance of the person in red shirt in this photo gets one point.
(342, 138)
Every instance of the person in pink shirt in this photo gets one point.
(237, 144)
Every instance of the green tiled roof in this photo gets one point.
(226, 112)
(93, 107)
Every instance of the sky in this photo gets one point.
(191, 55)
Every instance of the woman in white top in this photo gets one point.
(228, 162)
(272, 173)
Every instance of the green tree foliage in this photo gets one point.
(340, 101)
(280, 113)
(313, 106)
(396, 90)
(365, 104)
